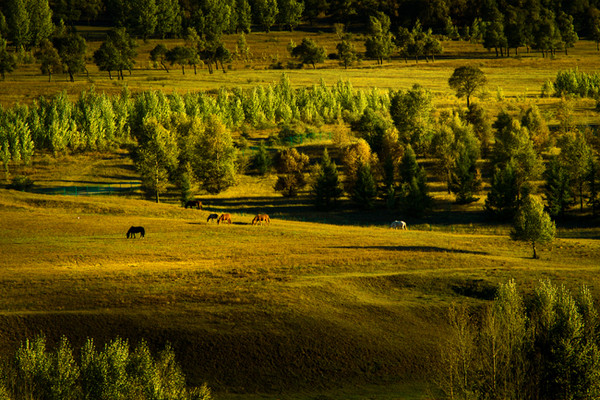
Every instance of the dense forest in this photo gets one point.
(499, 23)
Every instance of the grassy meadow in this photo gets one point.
(292, 310)
(313, 306)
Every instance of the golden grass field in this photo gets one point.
(315, 305)
(291, 310)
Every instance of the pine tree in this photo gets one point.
(414, 198)
(346, 51)
(503, 198)
(365, 188)
(265, 12)
(262, 160)
(326, 187)
(557, 188)
(244, 16)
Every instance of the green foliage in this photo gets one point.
(308, 52)
(346, 52)
(545, 347)
(326, 185)
(380, 45)
(156, 157)
(503, 199)
(365, 189)
(290, 12)
(71, 48)
(49, 59)
(215, 155)
(575, 156)
(7, 60)
(466, 80)
(262, 160)
(20, 182)
(577, 83)
(117, 53)
(532, 224)
(265, 13)
(413, 197)
(411, 112)
(557, 188)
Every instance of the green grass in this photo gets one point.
(296, 308)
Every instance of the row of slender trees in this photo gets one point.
(116, 371)
(543, 345)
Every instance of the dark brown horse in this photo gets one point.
(212, 216)
(134, 230)
(194, 204)
(260, 219)
(224, 218)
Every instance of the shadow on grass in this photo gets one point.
(423, 249)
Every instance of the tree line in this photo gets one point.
(500, 25)
(543, 345)
(186, 141)
(116, 371)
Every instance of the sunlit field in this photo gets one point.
(297, 308)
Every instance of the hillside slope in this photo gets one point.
(286, 307)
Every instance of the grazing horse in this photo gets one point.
(212, 216)
(261, 218)
(224, 218)
(194, 204)
(136, 229)
(398, 225)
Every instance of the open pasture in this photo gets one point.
(292, 307)
(512, 81)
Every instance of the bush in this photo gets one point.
(21, 182)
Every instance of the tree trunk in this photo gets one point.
(183, 69)
(110, 75)
(534, 252)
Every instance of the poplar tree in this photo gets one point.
(244, 16)
(575, 155)
(168, 18)
(346, 51)
(265, 12)
(215, 155)
(156, 157)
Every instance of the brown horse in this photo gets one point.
(224, 218)
(260, 219)
(194, 204)
(212, 216)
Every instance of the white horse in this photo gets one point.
(398, 225)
